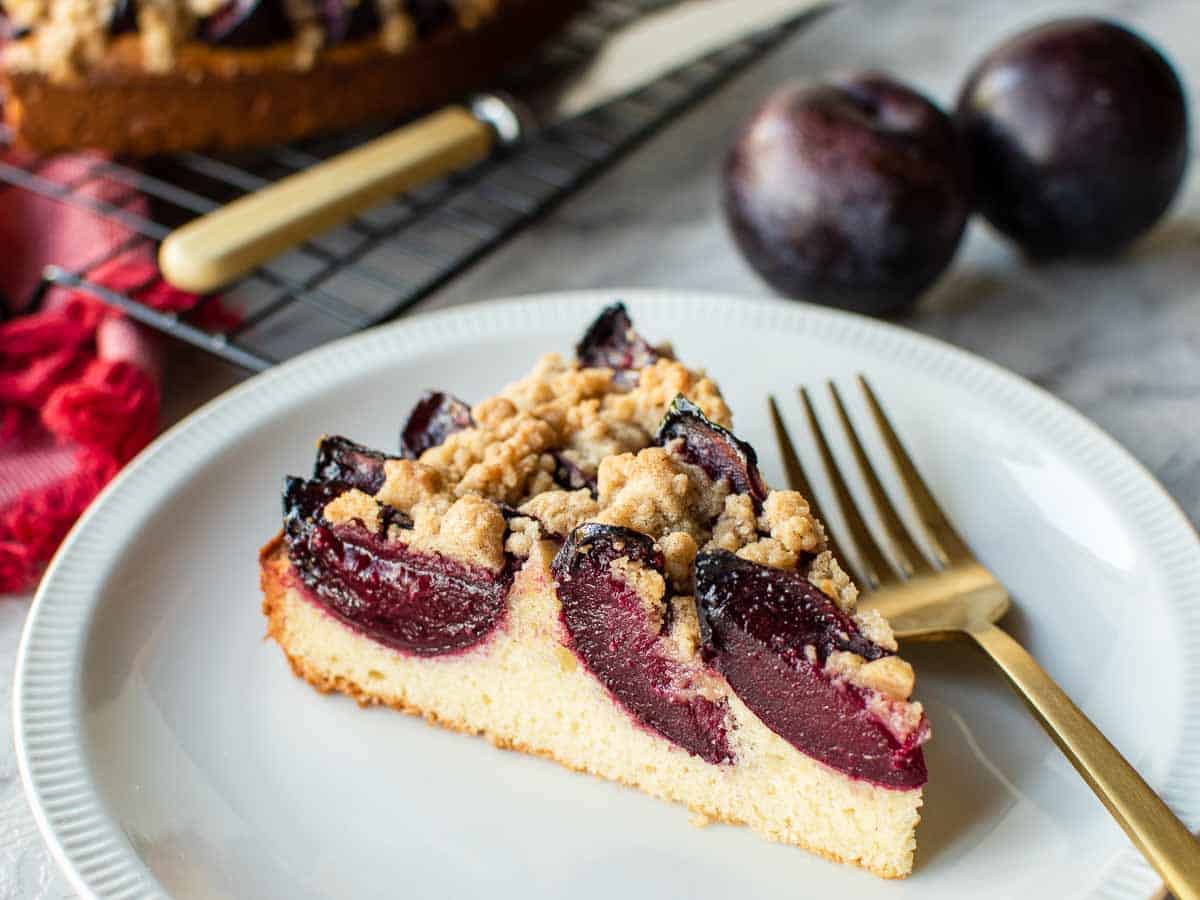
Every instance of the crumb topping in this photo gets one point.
(901, 717)
(876, 628)
(655, 493)
(736, 527)
(679, 551)
(658, 385)
(560, 511)
(560, 407)
(408, 483)
(685, 627)
(354, 505)
(785, 532)
(647, 584)
(827, 574)
(890, 676)
(786, 516)
(523, 534)
(508, 457)
(471, 530)
(498, 462)
(67, 38)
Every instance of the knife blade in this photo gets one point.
(215, 249)
(665, 40)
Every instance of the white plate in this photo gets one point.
(168, 750)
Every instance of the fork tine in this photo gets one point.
(873, 565)
(908, 556)
(948, 545)
(794, 471)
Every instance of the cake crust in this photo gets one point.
(289, 616)
(219, 99)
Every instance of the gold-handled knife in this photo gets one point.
(217, 248)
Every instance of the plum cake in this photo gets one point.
(143, 77)
(589, 566)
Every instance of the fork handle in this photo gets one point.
(1150, 824)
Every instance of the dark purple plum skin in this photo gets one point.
(247, 23)
(611, 634)
(755, 622)
(436, 416)
(611, 342)
(419, 603)
(714, 449)
(852, 193)
(343, 461)
(1077, 131)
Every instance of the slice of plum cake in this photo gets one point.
(589, 566)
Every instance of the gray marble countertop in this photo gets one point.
(1120, 340)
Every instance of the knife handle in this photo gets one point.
(217, 248)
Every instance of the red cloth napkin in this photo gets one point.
(79, 382)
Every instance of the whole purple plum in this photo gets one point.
(852, 193)
(1078, 137)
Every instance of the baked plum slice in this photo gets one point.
(247, 23)
(714, 449)
(611, 342)
(615, 635)
(420, 603)
(436, 416)
(757, 624)
(343, 461)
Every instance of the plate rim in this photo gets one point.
(47, 730)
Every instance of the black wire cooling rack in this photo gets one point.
(381, 263)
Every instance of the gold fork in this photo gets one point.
(953, 595)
